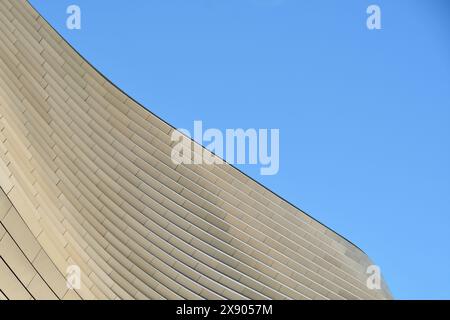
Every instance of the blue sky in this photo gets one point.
(364, 116)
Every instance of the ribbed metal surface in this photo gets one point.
(87, 180)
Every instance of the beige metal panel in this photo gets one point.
(10, 285)
(16, 260)
(71, 66)
(28, 41)
(5, 7)
(71, 295)
(50, 274)
(28, 20)
(5, 205)
(21, 234)
(24, 7)
(2, 231)
(40, 290)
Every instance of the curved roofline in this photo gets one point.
(155, 115)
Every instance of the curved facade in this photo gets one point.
(87, 179)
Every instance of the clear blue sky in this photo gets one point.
(364, 116)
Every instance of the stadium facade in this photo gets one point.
(87, 183)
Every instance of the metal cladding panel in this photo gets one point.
(87, 179)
